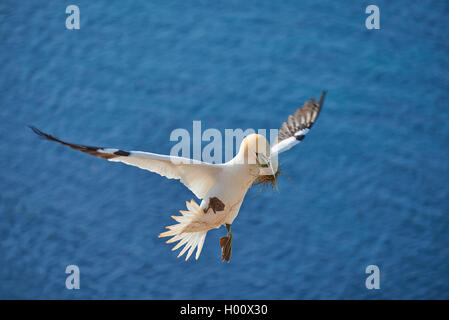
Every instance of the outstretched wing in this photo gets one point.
(294, 130)
(198, 176)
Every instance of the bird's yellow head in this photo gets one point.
(255, 150)
(252, 147)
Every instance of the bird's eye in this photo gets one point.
(261, 160)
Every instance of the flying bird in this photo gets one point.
(220, 187)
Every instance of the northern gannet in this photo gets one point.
(221, 187)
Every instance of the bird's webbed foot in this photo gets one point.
(215, 204)
(226, 245)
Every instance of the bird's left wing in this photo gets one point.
(198, 176)
(294, 130)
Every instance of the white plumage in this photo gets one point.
(221, 187)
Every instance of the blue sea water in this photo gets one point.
(370, 182)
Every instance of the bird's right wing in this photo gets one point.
(294, 130)
(198, 176)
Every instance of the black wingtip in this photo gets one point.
(37, 131)
(323, 94)
(43, 135)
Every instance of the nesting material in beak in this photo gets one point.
(268, 180)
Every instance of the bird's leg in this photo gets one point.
(226, 245)
(215, 204)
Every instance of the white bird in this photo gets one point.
(221, 187)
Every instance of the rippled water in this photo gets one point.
(370, 181)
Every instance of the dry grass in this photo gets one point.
(269, 180)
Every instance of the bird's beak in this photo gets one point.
(263, 161)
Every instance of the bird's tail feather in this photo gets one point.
(191, 240)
